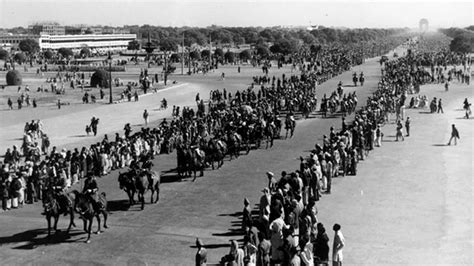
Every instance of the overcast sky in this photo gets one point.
(352, 14)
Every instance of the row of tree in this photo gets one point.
(463, 39)
(254, 35)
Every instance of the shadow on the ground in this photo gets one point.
(231, 232)
(39, 237)
(213, 246)
(79, 136)
(118, 205)
(440, 145)
(425, 112)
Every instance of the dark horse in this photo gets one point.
(55, 205)
(147, 180)
(127, 183)
(190, 161)
(234, 143)
(88, 211)
(290, 125)
(269, 134)
(215, 152)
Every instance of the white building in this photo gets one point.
(97, 43)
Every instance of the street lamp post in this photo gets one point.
(109, 59)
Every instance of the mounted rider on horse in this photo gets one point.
(91, 192)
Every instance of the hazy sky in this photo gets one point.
(353, 14)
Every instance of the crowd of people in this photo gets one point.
(287, 230)
(239, 120)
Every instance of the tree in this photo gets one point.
(19, 57)
(315, 48)
(85, 52)
(229, 57)
(100, 78)
(462, 44)
(219, 53)
(13, 77)
(195, 55)
(284, 46)
(205, 54)
(168, 45)
(29, 46)
(175, 57)
(65, 52)
(133, 45)
(245, 55)
(4, 54)
(262, 51)
(48, 54)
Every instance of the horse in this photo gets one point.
(147, 180)
(245, 132)
(182, 160)
(84, 206)
(269, 134)
(55, 205)
(234, 141)
(127, 183)
(216, 151)
(290, 125)
(197, 161)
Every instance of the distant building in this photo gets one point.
(97, 42)
(12, 40)
(47, 28)
(115, 31)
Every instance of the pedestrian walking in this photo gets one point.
(399, 133)
(338, 245)
(440, 106)
(454, 135)
(59, 103)
(407, 125)
(145, 117)
(201, 254)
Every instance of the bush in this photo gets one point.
(462, 44)
(245, 55)
(195, 55)
(65, 52)
(48, 54)
(229, 57)
(19, 57)
(219, 53)
(85, 52)
(13, 78)
(262, 51)
(29, 46)
(3, 54)
(205, 54)
(100, 78)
